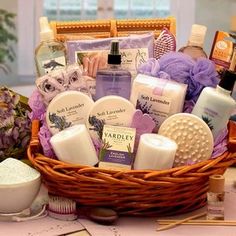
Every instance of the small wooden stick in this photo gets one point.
(202, 222)
(178, 222)
(199, 221)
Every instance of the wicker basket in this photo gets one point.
(133, 192)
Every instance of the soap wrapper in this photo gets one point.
(157, 97)
(68, 78)
(117, 147)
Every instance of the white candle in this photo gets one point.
(74, 145)
(155, 152)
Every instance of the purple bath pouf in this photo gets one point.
(151, 67)
(196, 74)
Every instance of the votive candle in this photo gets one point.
(74, 145)
(155, 152)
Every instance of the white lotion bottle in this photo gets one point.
(215, 105)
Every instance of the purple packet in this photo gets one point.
(135, 50)
(92, 54)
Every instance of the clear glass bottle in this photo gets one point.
(50, 53)
(114, 80)
(215, 198)
(194, 47)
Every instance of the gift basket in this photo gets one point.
(137, 192)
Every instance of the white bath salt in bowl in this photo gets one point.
(19, 185)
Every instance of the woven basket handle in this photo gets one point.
(34, 141)
(232, 136)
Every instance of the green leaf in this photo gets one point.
(10, 23)
(3, 12)
(7, 37)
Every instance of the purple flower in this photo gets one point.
(220, 143)
(44, 137)
(14, 125)
(37, 105)
(97, 144)
(188, 106)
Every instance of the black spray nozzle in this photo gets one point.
(115, 48)
(228, 79)
(114, 56)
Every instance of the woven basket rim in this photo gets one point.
(131, 192)
(201, 167)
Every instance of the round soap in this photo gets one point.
(109, 110)
(103, 215)
(192, 135)
(66, 109)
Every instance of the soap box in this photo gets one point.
(117, 147)
(222, 50)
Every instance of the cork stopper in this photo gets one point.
(216, 183)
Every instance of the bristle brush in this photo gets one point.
(62, 208)
(165, 43)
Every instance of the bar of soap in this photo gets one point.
(67, 109)
(103, 215)
(192, 135)
(109, 110)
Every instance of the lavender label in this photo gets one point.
(119, 157)
(158, 107)
(117, 147)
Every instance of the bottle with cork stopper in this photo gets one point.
(215, 198)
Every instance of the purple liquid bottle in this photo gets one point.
(113, 80)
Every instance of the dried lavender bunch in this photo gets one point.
(14, 125)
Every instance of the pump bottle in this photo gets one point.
(114, 80)
(194, 47)
(215, 105)
(50, 53)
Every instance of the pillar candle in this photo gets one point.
(155, 152)
(74, 145)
